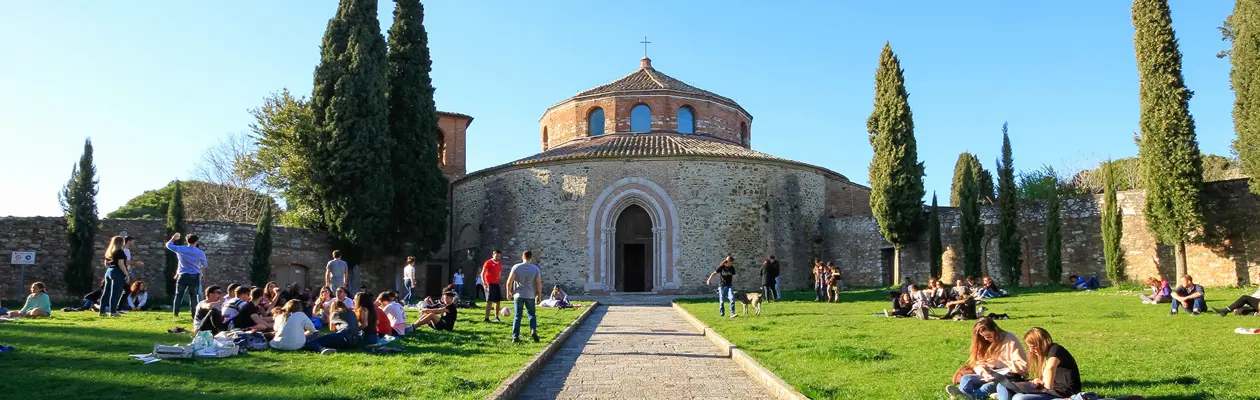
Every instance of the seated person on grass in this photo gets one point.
(387, 302)
(90, 300)
(1160, 291)
(232, 303)
(138, 299)
(365, 312)
(960, 288)
(991, 349)
(1057, 375)
(208, 316)
(294, 330)
(1083, 283)
(988, 289)
(963, 307)
(319, 307)
(343, 295)
(1244, 304)
(903, 305)
(1190, 296)
(442, 317)
(249, 316)
(37, 304)
(558, 299)
(345, 327)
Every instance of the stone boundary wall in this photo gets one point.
(1219, 257)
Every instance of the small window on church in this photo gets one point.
(743, 133)
(545, 138)
(686, 120)
(441, 148)
(641, 118)
(595, 122)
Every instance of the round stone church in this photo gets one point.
(643, 185)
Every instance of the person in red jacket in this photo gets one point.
(490, 272)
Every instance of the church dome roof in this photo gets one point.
(647, 79)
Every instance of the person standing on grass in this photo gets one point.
(115, 277)
(726, 280)
(1190, 296)
(479, 288)
(768, 275)
(819, 282)
(192, 268)
(458, 281)
(335, 271)
(991, 349)
(409, 280)
(834, 282)
(778, 276)
(525, 283)
(1244, 304)
(1058, 378)
(490, 272)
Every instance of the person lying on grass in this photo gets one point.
(442, 317)
(1059, 376)
(365, 312)
(295, 331)
(1160, 291)
(37, 304)
(1244, 304)
(90, 300)
(207, 316)
(991, 349)
(1189, 295)
(249, 316)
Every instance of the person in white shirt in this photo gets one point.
(459, 283)
(394, 311)
(409, 279)
(343, 295)
(480, 291)
(138, 300)
(294, 330)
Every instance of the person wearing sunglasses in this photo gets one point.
(207, 316)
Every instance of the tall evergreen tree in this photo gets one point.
(1171, 166)
(260, 263)
(1112, 226)
(896, 173)
(78, 204)
(935, 249)
(174, 223)
(971, 229)
(1009, 252)
(420, 209)
(348, 103)
(984, 179)
(1054, 238)
(1243, 29)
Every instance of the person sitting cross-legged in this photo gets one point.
(1244, 304)
(441, 317)
(962, 307)
(294, 330)
(206, 315)
(345, 327)
(37, 304)
(1160, 291)
(1189, 295)
(248, 315)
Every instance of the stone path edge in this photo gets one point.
(512, 387)
(778, 388)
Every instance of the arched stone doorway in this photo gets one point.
(634, 250)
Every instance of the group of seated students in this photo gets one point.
(292, 320)
(998, 364)
(136, 298)
(960, 301)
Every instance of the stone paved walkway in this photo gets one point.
(640, 352)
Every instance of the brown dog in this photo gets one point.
(747, 298)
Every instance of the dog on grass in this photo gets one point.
(749, 298)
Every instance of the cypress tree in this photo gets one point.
(78, 205)
(174, 223)
(1009, 253)
(1054, 238)
(348, 103)
(260, 263)
(1244, 56)
(896, 173)
(1112, 226)
(935, 249)
(419, 209)
(971, 230)
(983, 178)
(1171, 166)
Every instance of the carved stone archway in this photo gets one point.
(602, 231)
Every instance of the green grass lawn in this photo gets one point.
(81, 356)
(841, 351)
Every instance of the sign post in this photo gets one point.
(22, 258)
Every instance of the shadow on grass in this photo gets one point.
(1146, 383)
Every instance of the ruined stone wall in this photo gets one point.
(750, 209)
(1218, 258)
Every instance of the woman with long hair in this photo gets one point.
(37, 304)
(294, 330)
(115, 277)
(366, 313)
(138, 299)
(320, 306)
(1059, 376)
(992, 349)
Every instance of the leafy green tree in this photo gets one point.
(1009, 252)
(174, 223)
(896, 173)
(420, 209)
(1242, 28)
(1042, 184)
(935, 249)
(260, 263)
(971, 230)
(78, 205)
(350, 115)
(201, 202)
(983, 178)
(284, 129)
(1054, 237)
(1112, 226)
(1171, 165)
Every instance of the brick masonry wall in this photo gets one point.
(568, 121)
(455, 131)
(1219, 258)
(746, 208)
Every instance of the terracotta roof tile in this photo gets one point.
(648, 78)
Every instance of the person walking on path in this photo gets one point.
(335, 272)
(458, 281)
(115, 277)
(525, 283)
(726, 277)
(191, 272)
(409, 280)
(490, 272)
(769, 273)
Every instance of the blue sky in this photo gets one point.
(154, 83)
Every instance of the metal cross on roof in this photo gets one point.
(645, 44)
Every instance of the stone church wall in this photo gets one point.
(750, 209)
(1219, 258)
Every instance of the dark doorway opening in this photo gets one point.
(634, 250)
(433, 281)
(886, 266)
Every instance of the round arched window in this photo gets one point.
(686, 120)
(595, 122)
(641, 118)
